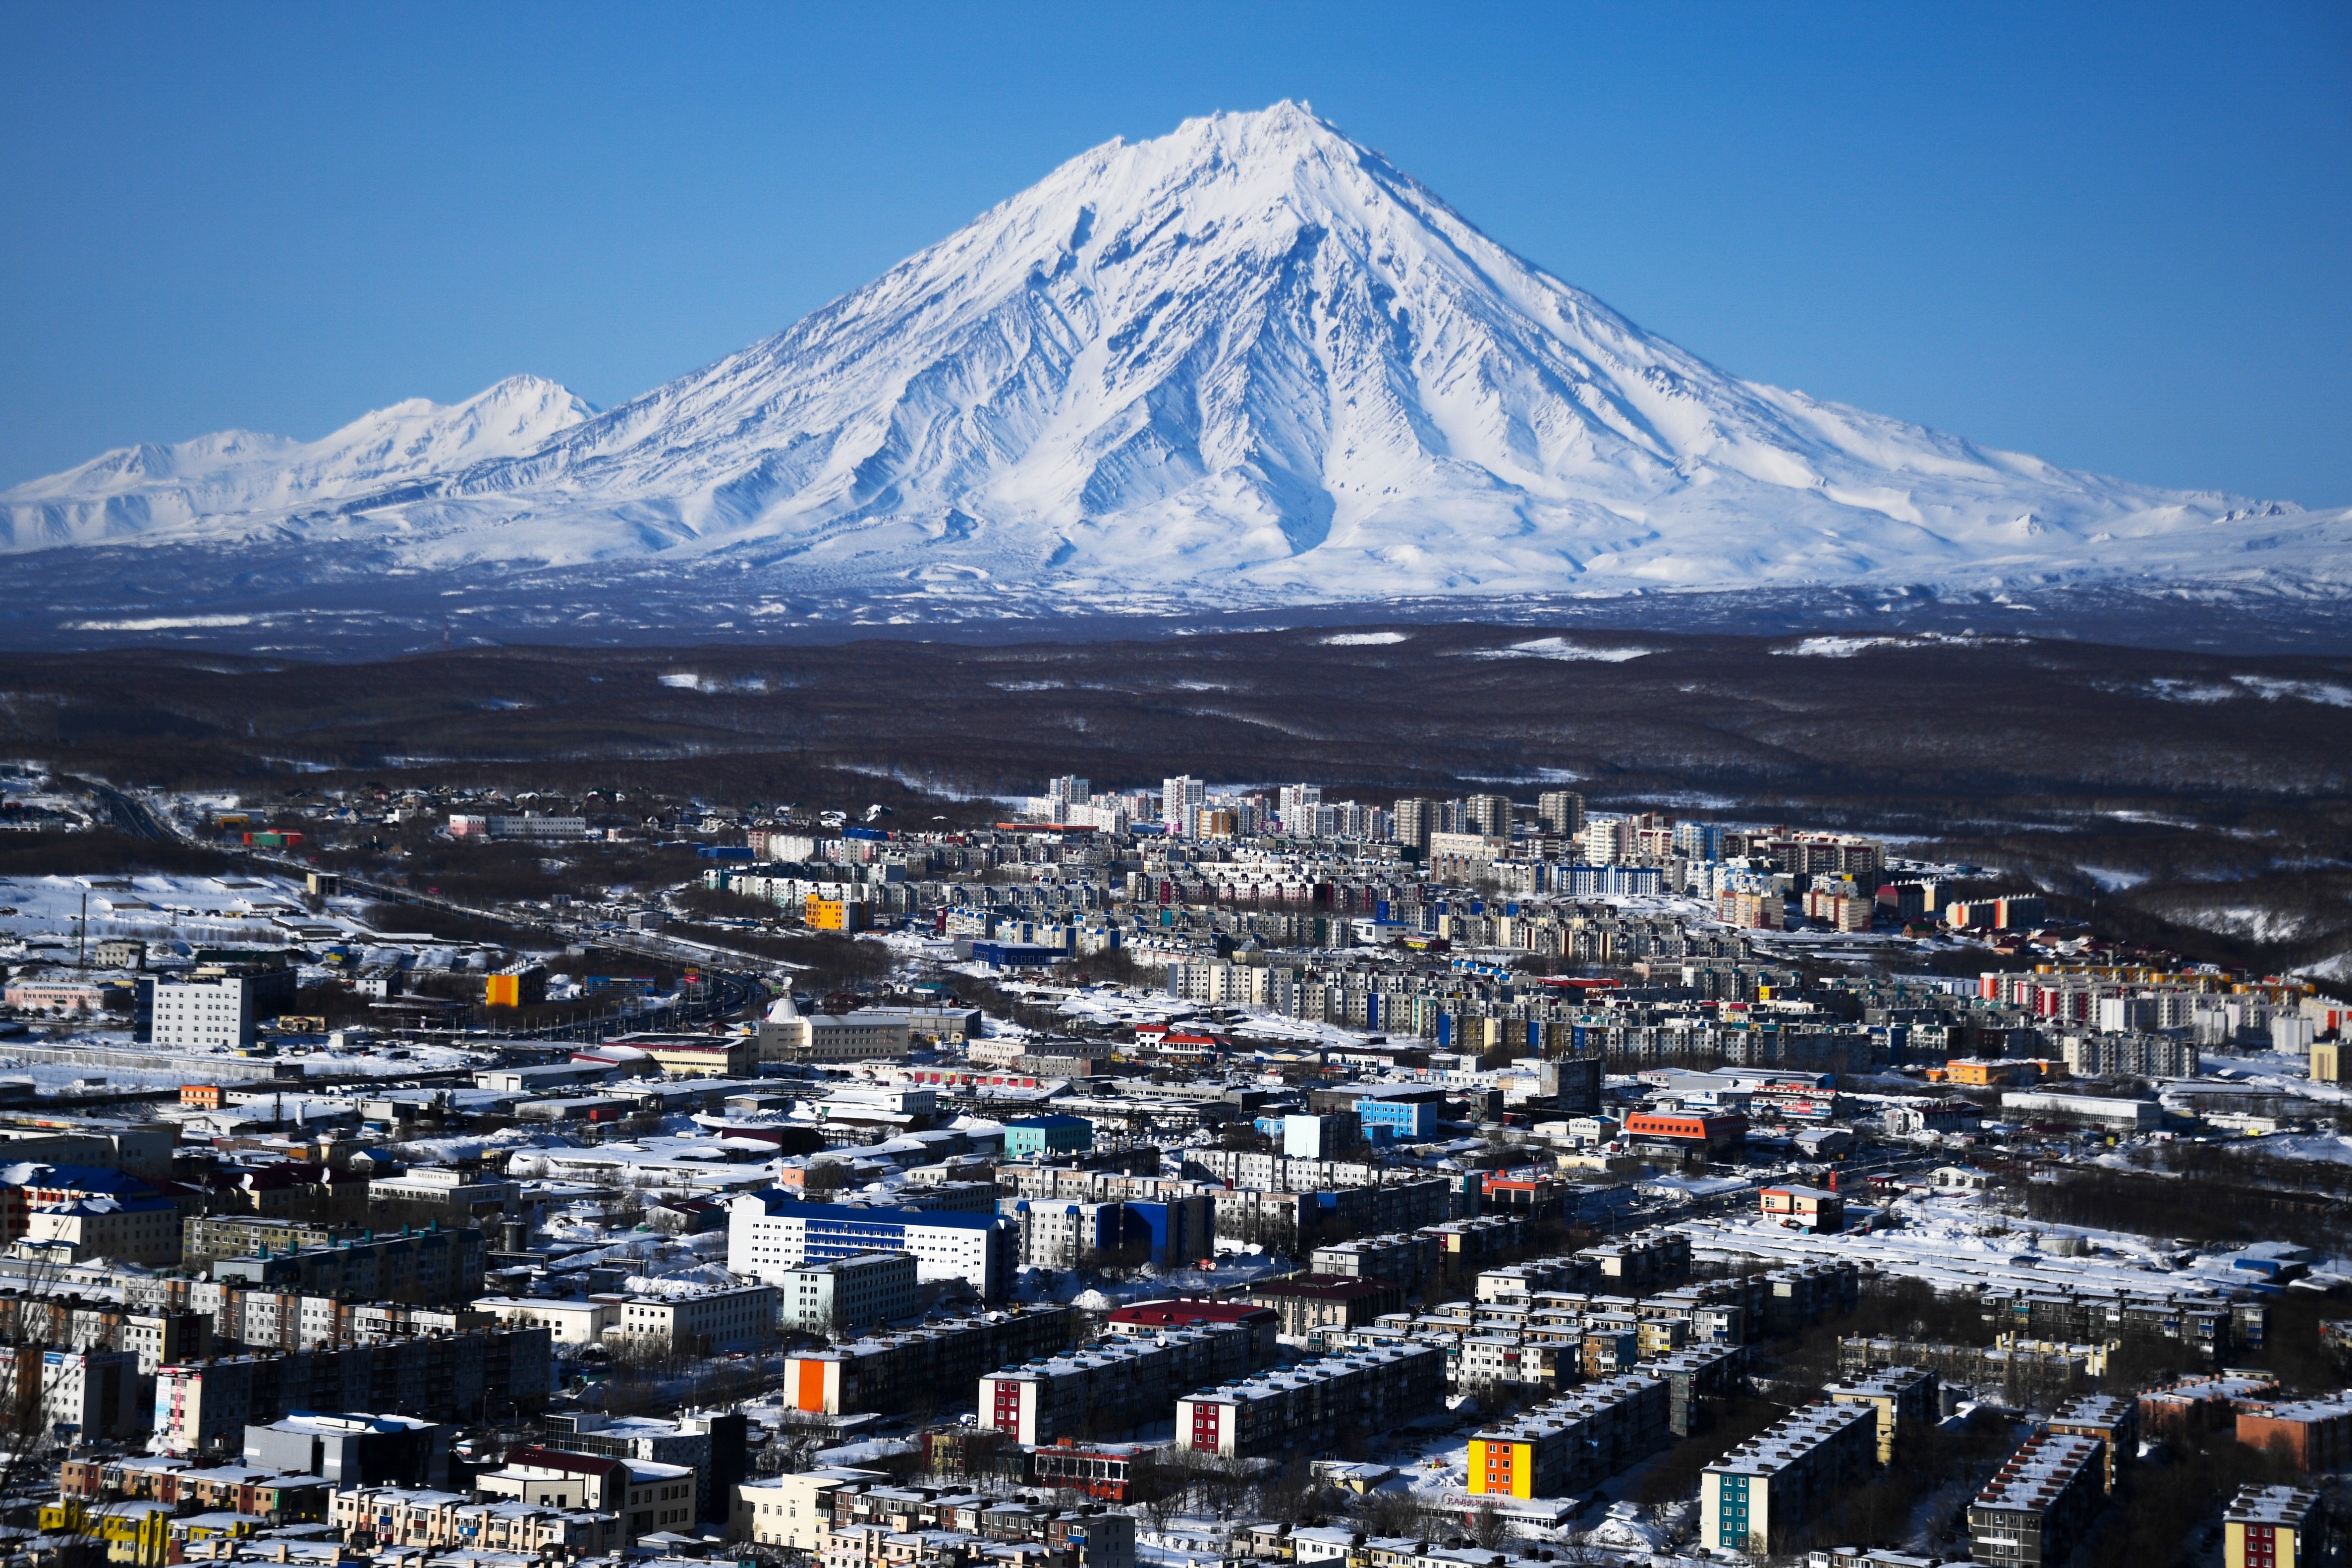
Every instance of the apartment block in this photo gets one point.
(1905, 1398)
(2112, 1419)
(1757, 1496)
(791, 1511)
(2032, 1513)
(2201, 1403)
(1313, 1404)
(91, 1394)
(1516, 1281)
(354, 1450)
(372, 1518)
(2271, 1527)
(840, 1292)
(434, 1267)
(770, 1233)
(1146, 1317)
(889, 1373)
(647, 1495)
(195, 1015)
(1642, 1262)
(701, 1324)
(1570, 1444)
(205, 1405)
(1466, 1247)
(1402, 1259)
(2316, 1435)
(1071, 1233)
(890, 1527)
(1111, 1387)
(1690, 1376)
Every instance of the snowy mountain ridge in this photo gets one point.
(200, 485)
(1248, 362)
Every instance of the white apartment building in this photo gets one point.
(647, 1495)
(702, 1324)
(771, 1232)
(571, 1323)
(1220, 983)
(792, 1511)
(201, 1014)
(867, 1289)
(389, 1517)
(126, 1230)
(1179, 797)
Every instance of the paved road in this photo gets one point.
(132, 816)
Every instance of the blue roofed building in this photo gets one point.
(770, 1232)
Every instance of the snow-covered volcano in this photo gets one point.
(1248, 362)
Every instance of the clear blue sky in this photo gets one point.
(2120, 238)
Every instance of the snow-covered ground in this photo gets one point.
(1954, 1243)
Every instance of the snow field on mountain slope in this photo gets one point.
(1247, 361)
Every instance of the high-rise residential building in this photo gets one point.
(1698, 840)
(1413, 823)
(1067, 791)
(1607, 841)
(1179, 797)
(1489, 815)
(1295, 805)
(1561, 811)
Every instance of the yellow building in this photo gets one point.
(524, 985)
(720, 1056)
(2266, 1527)
(1907, 1398)
(1662, 1336)
(1504, 1467)
(137, 1531)
(822, 913)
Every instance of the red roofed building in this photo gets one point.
(1686, 1130)
(1189, 1312)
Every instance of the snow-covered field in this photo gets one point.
(1959, 1242)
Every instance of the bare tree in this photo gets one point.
(1394, 1514)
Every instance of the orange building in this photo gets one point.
(822, 913)
(2201, 1403)
(524, 985)
(1687, 1130)
(2314, 1434)
(1987, 1072)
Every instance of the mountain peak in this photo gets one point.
(1248, 360)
